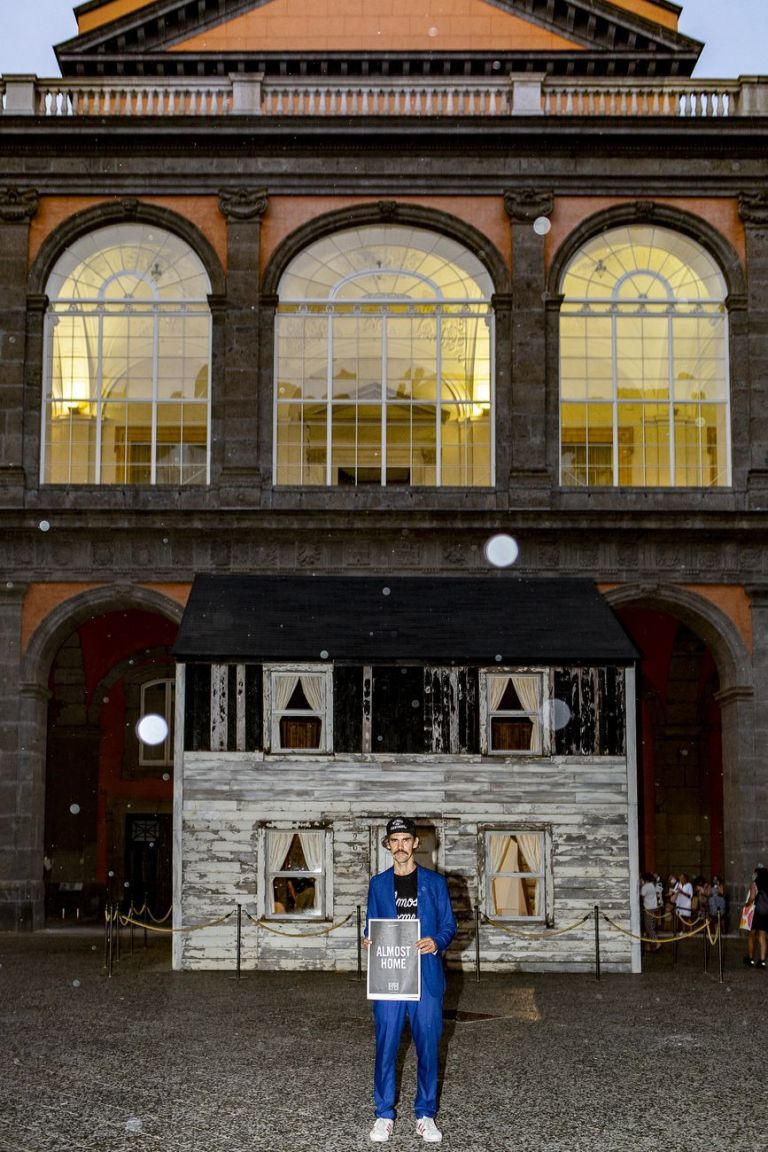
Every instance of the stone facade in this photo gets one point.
(249, 191)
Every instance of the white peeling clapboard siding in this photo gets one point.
(230, 797)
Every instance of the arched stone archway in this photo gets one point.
(47, 640)
(720, 704)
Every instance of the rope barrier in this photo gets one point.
(295, 935)
(538, 935)
(184, 928)
(155, 919)
(658, 940)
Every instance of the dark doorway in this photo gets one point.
(148, 839)
(679, 747)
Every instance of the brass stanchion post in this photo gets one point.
(597, 941)
(359, 942)
(720, 945)
(477, 944)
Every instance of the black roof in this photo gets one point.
(374, 619)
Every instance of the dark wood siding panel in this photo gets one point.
(254, 687)
(348, 708)
(197, 712)
(398, 710)
(595, 699)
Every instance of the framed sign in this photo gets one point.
(394, 963)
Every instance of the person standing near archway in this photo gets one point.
(409, 892)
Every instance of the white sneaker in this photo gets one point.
(428, 1130)
(382, 1130)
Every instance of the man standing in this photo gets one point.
(409, 892)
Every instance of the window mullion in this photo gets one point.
(155, 389)
(439, 397)
(384, 334)
(671, 401)
(615, 405)
(99, 394)
(330, 316)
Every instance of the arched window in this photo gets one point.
(128, 339)
(384, 368)
(644, 394)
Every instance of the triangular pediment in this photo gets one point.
(618, 37)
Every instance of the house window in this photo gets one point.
(128, 348)
(384, 369)
(157, 699)
(512, 712)
(298, 715)
(296, 868)
(644, 380)
(515, 874)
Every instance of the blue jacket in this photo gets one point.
(435, 916)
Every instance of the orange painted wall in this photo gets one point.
(386, 26)
(202, 211)
(731, 599)
(570, 211)
(650, 11)
(41, 599)
(286, 213)
(86, 21)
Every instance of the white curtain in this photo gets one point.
(497, 686)
(530, 846)
(283, 687)
(314, 690)
(313, 844)
(527, 688)
(278, 844)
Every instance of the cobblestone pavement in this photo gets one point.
(157, 1061)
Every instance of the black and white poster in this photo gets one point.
(394, 962)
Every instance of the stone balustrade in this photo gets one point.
(255, 95)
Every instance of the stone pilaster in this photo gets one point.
(753, 209)
(528, 340)
(236, 412)
(22, 777)
(17, 208)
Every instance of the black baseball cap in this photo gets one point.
(399, 824)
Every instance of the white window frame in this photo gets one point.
(539, 715)
(273, 716)
(543, 876)
(323, 876)
(168, 714)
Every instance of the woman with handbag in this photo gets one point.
(746, 918)
(760, 915)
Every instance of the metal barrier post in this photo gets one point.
(107, 914)
(705, 934)
(146, 917)
(477, 944)
(111, 946)
(720, 945)
(597, 941)
(359, 942)
(118, 940)
(239, 938)
(130, 920)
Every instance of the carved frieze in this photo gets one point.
(18, 205)
(753, 208)
(243, 203)
(524, 205)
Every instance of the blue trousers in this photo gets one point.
(426, 1019)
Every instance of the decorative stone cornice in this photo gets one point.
(243, 203)
(18, 205)
(753, 208)
(644, 209)
(388, 209)
(524, 205)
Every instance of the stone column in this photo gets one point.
(751, 787)
(529, 465)
(22, 777)
(744, 797)
(237, 413)
(17, 207)
(753, 209)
